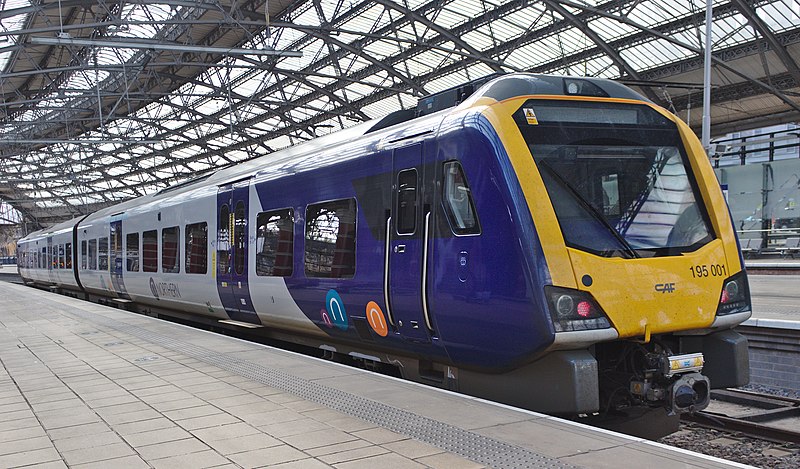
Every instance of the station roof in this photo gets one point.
(105, 101)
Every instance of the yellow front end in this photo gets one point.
(640, 296)
(656, 295)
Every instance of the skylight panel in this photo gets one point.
(382, 49)
(382, 108)
(780, 15)
(731, 31)
(654, 13)
(502, 30)
(12, 23)
(480, 40)
(366, 21)
(465, 9)
(610, 30)
(653, 54)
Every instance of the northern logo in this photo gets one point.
(153, 288)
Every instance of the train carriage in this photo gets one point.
(555, 243)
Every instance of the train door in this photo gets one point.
(232, 251)
(116, 261)
(49, 263)
(406, 246)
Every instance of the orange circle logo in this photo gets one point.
(376, 319)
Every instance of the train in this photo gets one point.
(555, 243)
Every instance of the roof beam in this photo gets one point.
(765, 31)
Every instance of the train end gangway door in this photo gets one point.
(233, 207)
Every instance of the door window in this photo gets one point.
(407, 201)
(102, 250)
(83, 255)
(240, 235)
(92, 254)
(224, 241)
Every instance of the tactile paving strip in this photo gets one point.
(478, 448)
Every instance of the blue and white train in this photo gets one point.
(551, 242)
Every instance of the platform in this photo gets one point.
(84, 385)
(776, 301)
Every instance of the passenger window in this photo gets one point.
(92, 254)
(240, 234)
(197, 248)
(407, 201)
(458, 201)
(224, 241)
(68, 253)
(275, 243)
(331, 239)
(102, 250)
(170, 246)
(132, 252)
(150, 251)
(61, 259)
(83, 255)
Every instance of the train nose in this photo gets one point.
(690, 393)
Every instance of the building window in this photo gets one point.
(170, 250)
(330, 249)
(150, 251)
(275, 243)
(458, 201)
(132, 252)
(197, 248)
(92, 254)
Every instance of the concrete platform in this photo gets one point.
(776, 301)
(87, 386)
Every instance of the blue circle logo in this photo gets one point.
(335, 307)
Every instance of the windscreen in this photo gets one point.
(617, 176)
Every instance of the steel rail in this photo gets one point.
(774, 407)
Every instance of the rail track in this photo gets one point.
(764, 416)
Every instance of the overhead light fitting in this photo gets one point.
(65, 41)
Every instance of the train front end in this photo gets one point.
(643, 259)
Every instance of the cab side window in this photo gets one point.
(457, 199)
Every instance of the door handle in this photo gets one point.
(400, 248)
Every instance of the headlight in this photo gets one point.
(574, 310)
(735, 296)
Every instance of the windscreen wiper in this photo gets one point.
(589, 208)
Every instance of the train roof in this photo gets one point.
(50, 231)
